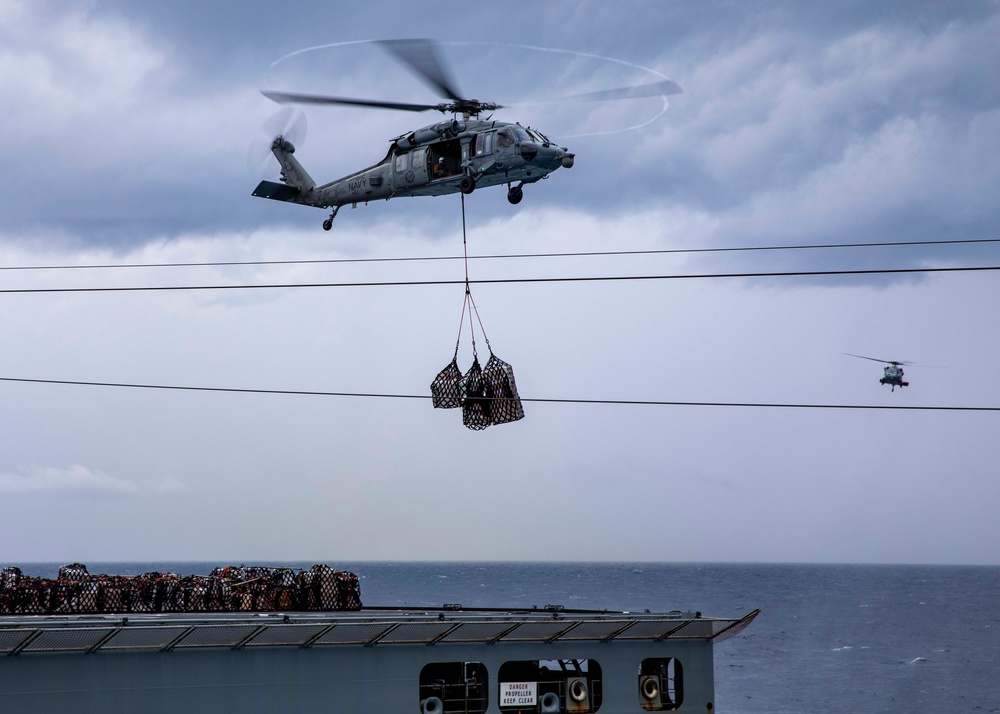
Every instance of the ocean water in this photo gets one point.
(830, 638)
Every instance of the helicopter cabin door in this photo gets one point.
(444, 159)
(505, 143)
(484, 144)
(410, 168)
(418, 165)
(482, 149)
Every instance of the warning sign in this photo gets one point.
(518, 694)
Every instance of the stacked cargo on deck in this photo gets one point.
(230, 589)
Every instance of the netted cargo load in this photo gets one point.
(229, 589)
(195, 593)
(76, 596)
(152, 592)
(477, 407)
(30, 596)
(498, 378)
(489, 396)
(117, 593)
(323, 588)
(76, 571)
(9, 577)
(350, 590)
(446, 392)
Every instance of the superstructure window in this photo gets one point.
(453, 687)
(550, 686)
(661, 684)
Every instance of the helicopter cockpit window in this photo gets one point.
(538, 136)
(521, 135)
(400, 162)
(505, 137)
(419, 158)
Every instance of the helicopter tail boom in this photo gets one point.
(298, 186)
(292, 172)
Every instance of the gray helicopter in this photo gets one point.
(893, 372)
(456, 155)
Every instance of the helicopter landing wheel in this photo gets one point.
(515, 194)
(466, 185)
(328, 223)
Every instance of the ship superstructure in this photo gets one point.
(442, 660)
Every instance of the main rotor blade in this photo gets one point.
(653, 89)
(422, 57)
(293, 98)
(875, 359)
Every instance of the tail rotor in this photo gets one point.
(289, 123)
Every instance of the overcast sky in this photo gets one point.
(126, 132)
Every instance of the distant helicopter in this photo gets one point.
(456, 155)
(893, 372)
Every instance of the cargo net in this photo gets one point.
(486, 396)
(228, 589)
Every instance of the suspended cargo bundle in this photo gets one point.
(477, 401)
(498, 378)
(445, 390)
(487, 396)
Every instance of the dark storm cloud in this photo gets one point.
(799, 122)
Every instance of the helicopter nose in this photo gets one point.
(546, 155)
(555, 156)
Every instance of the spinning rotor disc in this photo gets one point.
(423, 59)
(876, 359)
(289, 123)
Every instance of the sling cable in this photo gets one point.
(487, 395)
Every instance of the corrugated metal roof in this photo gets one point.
(28, 634)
